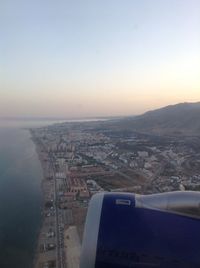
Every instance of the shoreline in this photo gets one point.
(39, 231)
(44, 253)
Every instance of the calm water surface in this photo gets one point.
(20, 197)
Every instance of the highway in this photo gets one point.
(60, 258)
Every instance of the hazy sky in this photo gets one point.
(91, 58)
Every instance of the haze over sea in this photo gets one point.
(20, 193)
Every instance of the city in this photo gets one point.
(81, 159)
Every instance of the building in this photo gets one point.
(76, 186)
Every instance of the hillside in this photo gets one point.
(179, 119)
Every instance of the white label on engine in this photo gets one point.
(123, 202)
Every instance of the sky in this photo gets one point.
(87, 58)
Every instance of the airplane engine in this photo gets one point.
(126, 230)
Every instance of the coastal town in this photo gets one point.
(81, 159)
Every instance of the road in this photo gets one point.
(60, 257)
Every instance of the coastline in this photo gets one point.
(37, 244)
(46, 250)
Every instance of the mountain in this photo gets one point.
(179, 119)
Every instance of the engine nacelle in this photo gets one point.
(124, 230)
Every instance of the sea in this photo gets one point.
(20, 193)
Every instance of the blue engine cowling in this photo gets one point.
(129, 231)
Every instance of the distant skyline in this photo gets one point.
(92, 58)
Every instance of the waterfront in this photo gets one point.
(21, 175)
(20, 197)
